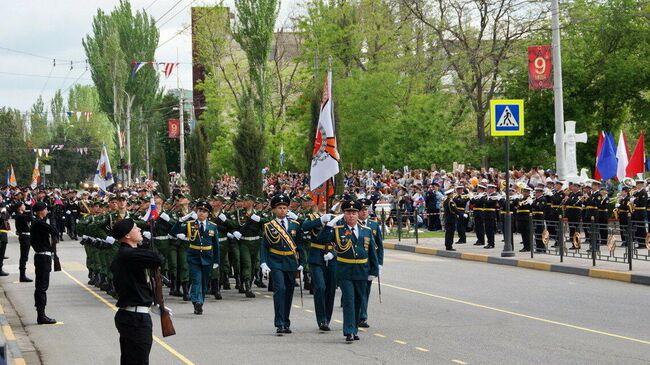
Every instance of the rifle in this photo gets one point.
(55, 258)
(300, 275)
(165, 317)
(379, 284)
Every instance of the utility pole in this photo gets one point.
(129, 104)
(557, 91)
(180, 118)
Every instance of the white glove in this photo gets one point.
(265, 268)
(194, 216)
(68, 212)
(292, 215)
(465, 215)
(617, 205)
(164, 217)
(146, 234)
(83, 237)
(300, 268)
(110, 240)
(632, 199)
(328, 256)
(325, 218)
(214, 266)
(181, 236)
(237, 235)
(222, 217)
(255, 217)
(371, 277)
(77, 221)
(332, 223)
(380, 267)
(156, 310)
(230, 235)
(186, 217)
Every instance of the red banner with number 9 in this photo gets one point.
(540, 67)
(173, 128)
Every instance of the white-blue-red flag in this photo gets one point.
(152, 213)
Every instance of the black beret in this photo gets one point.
(280, 199)
(352, 205)
(122, 228)
(39, 206)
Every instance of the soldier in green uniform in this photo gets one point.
(219, 218)
(162, 238)
(246, 224)
(261, 206)
(177, 264)
(365, 220)
(281, 257)
(353, 247)
(202, 237)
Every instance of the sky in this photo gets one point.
(53, 29)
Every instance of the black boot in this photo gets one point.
(237, 282)
(259, 282)
(98, 280)
(186, 292)
(42, 318)
(307, 282)
(225, 282)
(198, 308)
(242, 285)
(215, 289)
(270, 288)
(24, 278)
(91, 277)
(249, 292)
(2, 272)
(176, 290)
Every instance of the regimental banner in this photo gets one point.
(540, 67)
(173, 128)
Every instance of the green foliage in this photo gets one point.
(13, 149)
(197, 162)
(40, 132)
(249, 144)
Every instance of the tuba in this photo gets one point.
(576, 240)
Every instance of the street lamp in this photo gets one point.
(129, 104)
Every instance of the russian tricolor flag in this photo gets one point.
(152, 212)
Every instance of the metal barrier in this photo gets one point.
(619, 241)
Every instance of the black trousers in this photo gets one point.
(479, 227)
(450, 226)
(490, 221)
(71, 225)
(42, 267)
(524, 229)
(24, 251)
(461, 227)
(3, 247)
(135, 337)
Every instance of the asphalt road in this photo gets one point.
(433, 311)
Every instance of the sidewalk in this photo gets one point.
(541, 261)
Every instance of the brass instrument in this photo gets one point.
(546, 237)
(611, 243)
(647, 241)
(576, 240)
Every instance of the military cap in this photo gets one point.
(202, 204)
(160, 195)
(249, 197)
(121, 197)
(261, 199)
(280, 199)
(481, 186)
(626, 188)
(39, 206)
(112, 197)
(365, 202)
(528, 188)
(350, 205)
(491, 186)
(539, 188)
(640, 181)
(450, 191)
(184, 195)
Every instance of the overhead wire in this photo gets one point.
(167, 12)
(175, 15)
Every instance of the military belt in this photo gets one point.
(351, 261)
(574, 207)
(591, 207)
(321, 247)
(24, 233)
(538, 213)
(136, 309)
(251, 238)
(46, 253)
(602, 210)
(556, 206)
(281, 253)
(523, 211)
(167, 237)
(201, 248)
(462, 209)
(489, 209)
(478, 209)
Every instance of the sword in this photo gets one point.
(301, 302)
(379, 284)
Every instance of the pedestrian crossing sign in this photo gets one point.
(506, 118)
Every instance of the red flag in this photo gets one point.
(601, 137)
(540, 67)
(637, 161)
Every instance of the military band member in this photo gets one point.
(490, 214)
(639, 200)
(539, 209)
(602, 204)
(573, 210)
(281, 257)
(554, 210)
(524, 207)
(202, 237)
(5, 228)
(365, 220)
(354, 251)
(622, 209)
(451, 215)
(590, 209)
(461, 199)
(478, 204)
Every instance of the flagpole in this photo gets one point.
(180, 117)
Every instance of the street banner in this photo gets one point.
(173, 128)
(540, 67)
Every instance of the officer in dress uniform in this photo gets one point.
(451, 214)
(365, 220)
(280, 254)
(177, 264)
(354, 250)
(219, 217)
(202, 237)
(490, 214)
(323, 272)
(554, 210)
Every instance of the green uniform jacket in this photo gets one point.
(276, 250)
(356, 258)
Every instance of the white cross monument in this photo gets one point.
(570, 153)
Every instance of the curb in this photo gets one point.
(14, 355)
(524, 263)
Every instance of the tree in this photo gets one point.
(118, 39)
(13, 149)
(248, 143)
(197, 162)
(38, 116)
